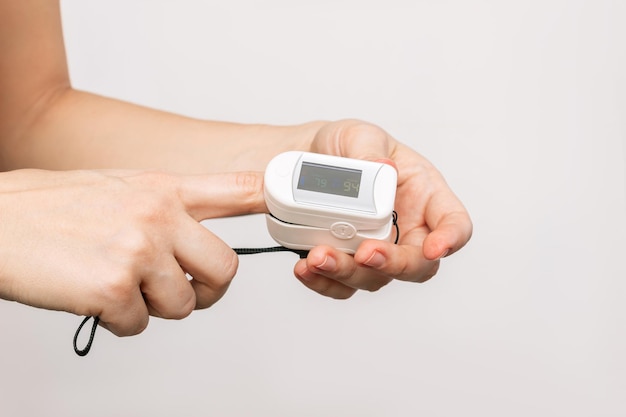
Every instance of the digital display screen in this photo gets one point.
(329, 179)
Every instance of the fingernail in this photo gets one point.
(329, 264)
(444, 254)
(376, 260)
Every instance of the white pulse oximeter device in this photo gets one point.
(317, 199)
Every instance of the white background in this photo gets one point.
(520, 104)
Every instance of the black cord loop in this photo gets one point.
(84, 351)
(395, 223)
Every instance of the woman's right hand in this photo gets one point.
(118, 244)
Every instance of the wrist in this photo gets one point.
(251, 147)
(306, 134)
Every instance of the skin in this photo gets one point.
(107, 223)
(117, 244)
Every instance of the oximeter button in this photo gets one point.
(343, 230)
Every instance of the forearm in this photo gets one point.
(83, 130)
(44, 123)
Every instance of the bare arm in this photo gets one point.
(45, 123)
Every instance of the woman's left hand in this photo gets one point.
(433, 222)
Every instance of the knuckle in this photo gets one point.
(154, 198)
(123, 318)
(180, 312)
(430, 273)
(184, 309)
(188, 307)
(140, 325)
(231, 264)
(249, 185)
(154, 208)
(173, 309)
(211, 287)
(132, 328)
(137, 247)
(119, 287)
(248, 180)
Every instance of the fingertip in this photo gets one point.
(436, 246)
(450, 235)
(300, 270)
(322, 258)
(317, 254)
(387, 161)
(435, 254)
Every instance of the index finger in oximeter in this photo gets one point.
(317, 199)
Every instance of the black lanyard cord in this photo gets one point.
(252, 251)
(85, 350)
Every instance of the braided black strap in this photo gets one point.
(252, 251)
(84, 351)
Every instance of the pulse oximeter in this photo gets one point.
(316, 199)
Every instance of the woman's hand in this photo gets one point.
(118, 244)
(433, 222)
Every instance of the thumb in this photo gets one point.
(356, 139)
(222, 195)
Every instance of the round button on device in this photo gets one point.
(343, 230)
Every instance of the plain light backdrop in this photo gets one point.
(521, 105)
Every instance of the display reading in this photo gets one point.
(329, 179)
